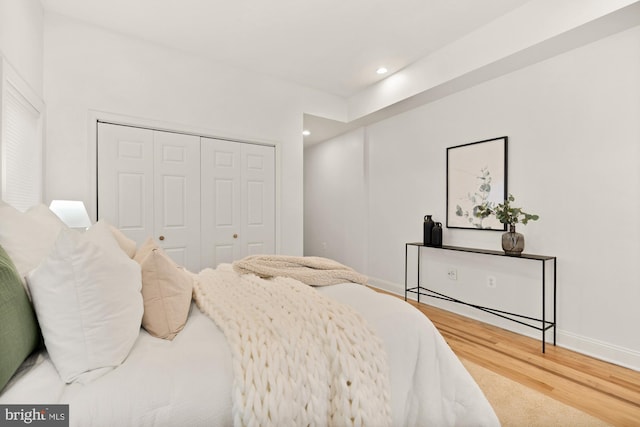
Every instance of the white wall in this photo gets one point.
(21, 40)
(335, 205)
(574, 151)
(88, 69)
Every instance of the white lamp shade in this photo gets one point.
(71, 212)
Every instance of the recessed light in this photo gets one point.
(306, 132)
(381, 70)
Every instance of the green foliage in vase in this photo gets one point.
(505, 213)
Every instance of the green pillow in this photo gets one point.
(19, 331)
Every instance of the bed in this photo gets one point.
(189, 377)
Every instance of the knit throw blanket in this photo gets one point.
(299, 358)
(314, 271)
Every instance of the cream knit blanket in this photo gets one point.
(314, 271)
(299, 358)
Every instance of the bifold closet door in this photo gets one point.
(238, 200)
(149, 186)
(177, 196)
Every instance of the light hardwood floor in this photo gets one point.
(606, 391)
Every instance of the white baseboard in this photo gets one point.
(394, 288)
(588, 346)
(600, 350)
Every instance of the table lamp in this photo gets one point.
(72, 213)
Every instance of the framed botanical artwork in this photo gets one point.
(476, 174)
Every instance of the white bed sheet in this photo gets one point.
(188, 381)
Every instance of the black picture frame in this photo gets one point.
(476, 173)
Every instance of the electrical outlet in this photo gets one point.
(453, 274)
(491, 282)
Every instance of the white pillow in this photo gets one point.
(28, 237)
(88, 303)
(128, 245)
(122, 242)
(45, 216)
(100, 233)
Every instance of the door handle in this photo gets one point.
(161, 237)
(235, 236)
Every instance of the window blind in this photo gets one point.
(20, 150)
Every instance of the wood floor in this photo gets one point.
(606, 391)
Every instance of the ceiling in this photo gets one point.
(331, 45)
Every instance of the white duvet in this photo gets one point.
(187, 381)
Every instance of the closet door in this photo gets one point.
(125, 179)
(238, 200)
(149, 186)
(221, 202)
(176, 198)
(258, 199)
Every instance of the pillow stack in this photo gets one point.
(90, 292)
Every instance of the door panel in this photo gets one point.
(125, 179)
(130, 201)
(175, 193)
(255, 203)
(177, 196)
(258, 196)
(180, 256)
(257, 249)
(221, 203)
(224, 198)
